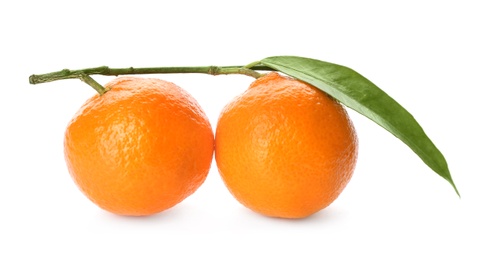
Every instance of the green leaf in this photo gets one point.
(360, 94)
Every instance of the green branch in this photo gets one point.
(83, 74)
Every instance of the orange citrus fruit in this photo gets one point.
(140, 148)
(284, 148)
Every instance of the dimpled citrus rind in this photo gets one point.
(141, 148)
(284, 148)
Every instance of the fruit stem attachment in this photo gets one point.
(83, 74)
(91, 82)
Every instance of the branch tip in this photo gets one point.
(32, 79)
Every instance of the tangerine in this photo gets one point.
(140, 148)
(285, 148)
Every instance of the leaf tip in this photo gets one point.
(453, 185)
(456, 190)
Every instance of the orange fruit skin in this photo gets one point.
(284, 148)
(140, 148)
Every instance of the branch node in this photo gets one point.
(214, 70)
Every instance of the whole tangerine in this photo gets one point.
(285, 148)
(140, 148)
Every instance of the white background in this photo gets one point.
(434, 57)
